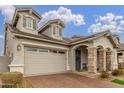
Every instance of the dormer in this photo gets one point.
(26, 19)
(53, 28)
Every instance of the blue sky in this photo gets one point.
(90, 14)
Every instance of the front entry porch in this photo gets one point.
(81, 59)
(92, 60)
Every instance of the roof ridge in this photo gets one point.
(93, 35)
(49, 21)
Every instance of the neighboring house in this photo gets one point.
(34, 51)
(120, 56)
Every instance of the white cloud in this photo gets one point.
(64, 14)
(112, 22)
(7, 11)
(118, 17)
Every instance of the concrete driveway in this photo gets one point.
(68, 80)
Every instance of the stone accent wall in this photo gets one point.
(100, 59)
(92, 54)
(108, 60)
(104, 61)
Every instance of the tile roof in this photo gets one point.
(91, 36)
(49, 22)
(66, 41)
(40, 36)
(121, 47)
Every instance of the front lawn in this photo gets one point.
(118, 81)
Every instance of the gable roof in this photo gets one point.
(50, 22)
(121, 47)
(94, 36)
(39, 36)
(91, 37)
(16, 16)
(65, 41)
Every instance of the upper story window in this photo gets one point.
(57, 31)
(29, 23)
(60, 31)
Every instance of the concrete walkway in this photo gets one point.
(69, 80)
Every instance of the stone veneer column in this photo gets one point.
(92, 60)
(113, 60)
(104, 60)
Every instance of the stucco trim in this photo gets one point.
(26, 44)
(16, 65)
(29, 37)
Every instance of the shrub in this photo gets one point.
(121, 71)
(104, 74)
(115, 72)
(0, 74)
(11, 79)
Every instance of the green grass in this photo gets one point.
(118, 81)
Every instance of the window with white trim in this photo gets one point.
(43, 50)
(31, 49)
(29, 23)
(53, 51)
(61, 52)
(60, 32)
(57, 31)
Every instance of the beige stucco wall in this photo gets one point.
(72, 53)
(9, 44)
(17, 64)
(105, 42)
(121, 58)
(18, 61)
(48, 31)
(4, 62)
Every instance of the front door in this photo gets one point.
(78, 60)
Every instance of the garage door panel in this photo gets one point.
(43, 62)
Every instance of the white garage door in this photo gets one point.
(44, 61)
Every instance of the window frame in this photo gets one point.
(61, 52)
(43, 50)
(31, 49)
(57, 31)
(60, 32)
(29, 23)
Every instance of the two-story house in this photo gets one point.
(44, 50)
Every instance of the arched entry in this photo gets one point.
(100, 58)
(81, 58)
(108, 59)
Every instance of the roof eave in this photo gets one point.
(23, 9)
(39, 39)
